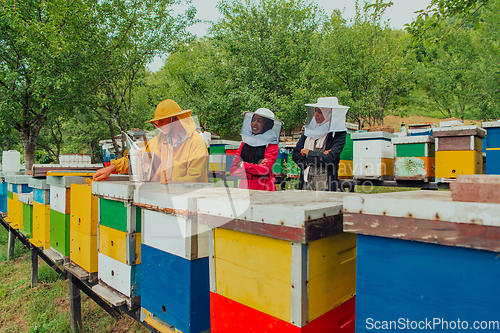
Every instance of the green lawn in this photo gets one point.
(46, 307)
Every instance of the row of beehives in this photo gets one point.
(167, 249)
(449, 152)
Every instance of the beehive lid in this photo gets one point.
(426, 216)
(26, 198)
(372, 135)
(17, 179)
(289, 215)
(181, 198)
(64, 181)
(459, 131)
(39, 183)
(491, 124)
(412, 139)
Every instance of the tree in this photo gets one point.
(42, 44)
(367, 63)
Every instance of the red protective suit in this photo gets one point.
(256, 176)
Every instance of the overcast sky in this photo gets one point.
(398, 15)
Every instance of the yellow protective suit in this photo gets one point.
(189, 159)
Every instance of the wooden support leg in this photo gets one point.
(12, 241)
(75, 305)
(34, 268)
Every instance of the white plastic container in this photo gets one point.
(11, 160)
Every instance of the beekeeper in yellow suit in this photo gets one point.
(183, 151)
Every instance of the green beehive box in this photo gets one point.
(279, 166)
(217, 149)
(27, 220)
(415, 150)
(113, 214)
(60, 232)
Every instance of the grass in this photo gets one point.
(45, 308)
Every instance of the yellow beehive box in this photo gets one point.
(345, 169)
(41, 225)
(449, 164)
(84, 209)
(265, 269)
(17, 212)
(115, 244)
(83, 250)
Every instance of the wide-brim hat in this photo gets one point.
(166, 109)
(328, 102)
(266, 113)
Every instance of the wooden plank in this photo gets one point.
(429, 231)
(451, 143)
(176, 289)
(444, 132)
(298, 288)
(41, 171)
(332, 273)
(402, 279)
(230, 316)
(263, 268)
(10, 245)
(109, 295)
(311, 230)
(54, 256)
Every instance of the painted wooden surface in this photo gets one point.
(282, 208)
(373, 167)
(345, 168)
(262, 265)
(83, 250)
(332, 273)
(443, 221)
(178, 235)
(230, 316)
(27, 228)
(476, 188)
(60, 199)
(459, 143)
(415, 150)
(60, 232)
(41, 225)
(402, 279)
(418, 168)
(176, 289)
(468, 130)
(493, 162)
(10, 206)
(373, 148)
(493, 137)
(157, 323)
(114, 214)
(3, 196)
(65, 181)
(83, 209)
(449, 164)
(41, 196)
(16, 221)
(114, 243)
(123, 278)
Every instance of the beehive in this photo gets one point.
(175, 274)
(415, 158)
(83, 227)
(492, 148)
(373, 155)
(60, 209)
(119, 231)
(41, 213)
(16, 184)
(458, 151)
(421, 255)
(295, 267)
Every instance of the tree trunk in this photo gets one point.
(29, 137)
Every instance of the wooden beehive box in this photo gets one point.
(492, 147)
(60, 208)
(41, 213)
(458, 151)
(16, 184)
(414, 158)
(26, 200)
(422, 254)
(373, 155)
(295, 266)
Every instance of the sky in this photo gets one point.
(402, 12)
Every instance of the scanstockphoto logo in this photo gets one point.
(430, 324)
